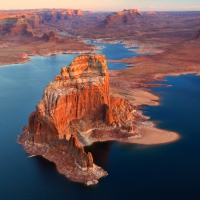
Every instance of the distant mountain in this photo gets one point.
(125, 16)
(23, 22)
(58, 14)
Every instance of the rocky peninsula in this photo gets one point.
(77, 110)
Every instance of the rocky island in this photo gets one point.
(77, 110)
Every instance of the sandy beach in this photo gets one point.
(153, 136)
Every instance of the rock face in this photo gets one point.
(24, 22)
(58, 14)
(125, 16)
(51, 37)
(76, 110)
(33, 20)
(82, 160)
(79, 92)
(16, 26)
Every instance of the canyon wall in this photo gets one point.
(23, 22)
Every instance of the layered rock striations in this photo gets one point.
(125, 16)
(24, 22)
(79, 92)
(77, 110)
(58, 14)
(15, 26)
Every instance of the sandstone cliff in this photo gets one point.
(24, 22)
(125, 16)
(15, 26)
(77, 110)
(79, 92)
(58, 14)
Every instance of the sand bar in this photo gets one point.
(153, 136)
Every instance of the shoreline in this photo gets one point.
(28, 59)
(127, 44)
(146, 135)
(136, 96)
(63, 160)
(137, 130)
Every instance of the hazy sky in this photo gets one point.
(103, 5)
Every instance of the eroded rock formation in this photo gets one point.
(51, 37)
(58, 14)
(77, 110)
(24, 22)
(79, 92)
(125, 16)
(15, 26)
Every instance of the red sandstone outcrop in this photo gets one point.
(15, 26)
(33, 20)
(51, 37)
(82, 160)
(58, 14)
(69, 157)
(80, 91)
(151, 13)
(23, 22)
(125, 16)
(76, 110)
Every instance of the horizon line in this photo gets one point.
(101, 10)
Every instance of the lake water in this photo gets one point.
(169, 171)
(116, 52)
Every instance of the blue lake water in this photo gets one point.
(170, 171)
(116, 52)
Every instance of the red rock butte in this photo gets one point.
(118, 18)
(77, 110)
(80, 91)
